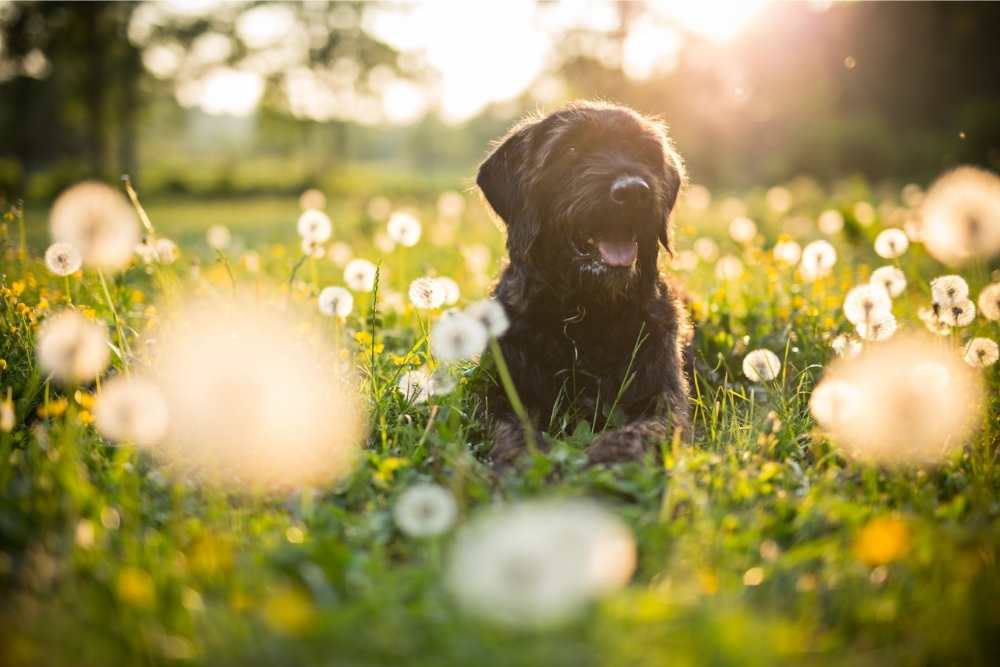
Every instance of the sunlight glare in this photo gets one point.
(718, 20)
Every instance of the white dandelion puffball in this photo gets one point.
(845, 346)
(457, 337)
(961, 216)
(706, 248)
(946, 290)
(63, 259)
(989, 302)
(742, 229)
(929, 316)
(787, 252)
(864, 213)
(685, 260)
(312, 199)
(981, 352)
(912, 195)
(818, 259)
(779, 199)
(426, 294)
(360, 274)
(831, 402)
(452, 292)
(335, 301)
(340, 253)
(761, 365)
(379, 208)
(875, 331)
(957, 314)
(890, 278)
(729, 267)
(218, 237)
(830, 222)
(384, 243)
(256, 402)
(99, 222)
(251, 261)
(491, 314)
(539, 563)
(451, 204)
(416, 386)
(131, 410)
(425, 510)
(867, 303)
(315, 225)
(146, 251)
(911, 400)
(73, 349)
(698, 197)
(313, 248)
(167, 251)
(404, 228)
(477, 257)
(442, 383)
(891, 243)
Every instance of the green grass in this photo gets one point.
(748, 536)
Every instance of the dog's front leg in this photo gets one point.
(509, 441)
(629, 442)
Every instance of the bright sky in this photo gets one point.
(480, 52)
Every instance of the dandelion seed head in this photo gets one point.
(779, 199)
(912, 400)
(425, 510)
(99, 222)
(404, 228)
(450, 204)
(742, 229)
(961, 216)
(537, 564)
(867, 303)
(335, 301)
(845, 346)
(817, 261)
(313, 248)
(73, 349)
(989, 302)
(415, 385)
(219, 237)
(314, 225)
(890, 278)
(379, 208)
(491, 315)
(864, 213)
(832, 402)
(929, 316)
(685, 260)
(761, 365)
(706, 248)
(728, 267)
(877, 330)
(477, 258)
(787, 252)
(452, 292)
(458, 337)
(946, 290)
(62, 259)
(340, 253)
(384, 243)
(698, 197)
(131, 410)
(958, 313)
(891, 243)
(312, 199)
(255, 403)
(830, 222)
(359, 275)
(167, 251)
(426, 294)
(981, 352)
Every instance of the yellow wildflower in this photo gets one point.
(135, 587)
(882, 541)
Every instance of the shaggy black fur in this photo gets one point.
(586, 195)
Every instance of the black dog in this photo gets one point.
(586, 195)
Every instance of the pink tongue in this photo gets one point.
(618, 253)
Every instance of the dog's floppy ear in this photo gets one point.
(501, 180)
(675, 181)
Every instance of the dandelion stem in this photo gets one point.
(291, 278)
(229, 269)
(134, 197)
(122, 342)
(69, 291)
(515, 400)
(22, 247)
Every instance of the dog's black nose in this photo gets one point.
(629, 190)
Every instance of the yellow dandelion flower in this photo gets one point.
(882, 541)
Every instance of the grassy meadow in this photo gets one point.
(759, 541)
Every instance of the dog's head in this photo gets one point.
(586, 194)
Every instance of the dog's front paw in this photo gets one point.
(616, 447)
